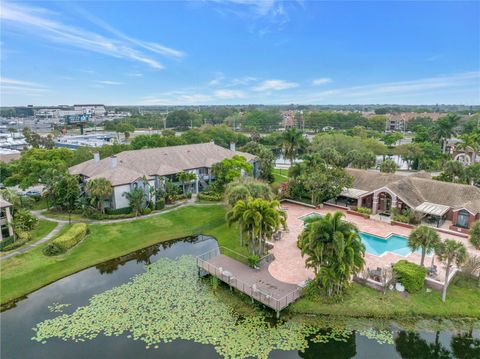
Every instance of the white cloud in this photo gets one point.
(109, 82)
(219, 77)
(275, 85)
(245, 80)
(13, 86)
(40, 22)
(177, 98)
(321, 81)
(229, 94)
(388, 91)
(136, 74)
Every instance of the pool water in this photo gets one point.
(377, 245)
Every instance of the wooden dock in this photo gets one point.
(258, 284)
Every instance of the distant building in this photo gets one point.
(465, 156)
(395, 124)
(94, 140)
(24, 111)
(91, 109)
(12, 141)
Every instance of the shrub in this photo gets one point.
(67, 240)
(11, 243)
(6, 242)
(146, 211)
(364, 210)
(189, 195)
(210, 196)
(475, 235)
(51, 250)
(125, 210)
(411, 275)
(160, 204)
(253, 260)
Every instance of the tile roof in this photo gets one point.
(162, 161)
(416, 189)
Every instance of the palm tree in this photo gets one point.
(423, 237)
(244, 188)
(292, 142)
(472, 141)
(444, 129)
(186, 177)
(334, 251)
(450, 251)
(100, 189)
(136, 199)
(259, 218)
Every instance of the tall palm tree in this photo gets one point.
(292, 143)
(423, 237)
(334, 251)
(259, 218)
(100, 189)
(136, 199)
(444, 128)
(449, 252)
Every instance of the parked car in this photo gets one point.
(33, 193)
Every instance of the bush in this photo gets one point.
(51, 250)
(160, 204)
(411, 275)
(125, 210)
(6, 242)
(189, 195)
(363, 210)
(253, 260)
(210, 196)
(67, 240)
(10, 243)
(475, 235)
(146, 211)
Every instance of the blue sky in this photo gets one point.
(240, 52)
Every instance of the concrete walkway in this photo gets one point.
(62, 222)
(50, 235)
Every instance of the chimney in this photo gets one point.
(114, 161)
(232, 146)
(212, 142)
(96, 157)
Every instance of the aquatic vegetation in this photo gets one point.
(57, 307)
(170, 302)
(381, 336)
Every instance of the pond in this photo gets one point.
(151, 304)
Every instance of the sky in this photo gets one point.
(239, 52)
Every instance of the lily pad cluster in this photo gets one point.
(170, 302)
(57, 307)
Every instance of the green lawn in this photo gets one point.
(43, 228)
(463, 300)
(29, 271)
(280, 175)
(40, 204)
(64, 216)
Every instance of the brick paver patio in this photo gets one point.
(289, 266)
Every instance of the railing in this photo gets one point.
(252, 291)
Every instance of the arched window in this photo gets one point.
(463, 219)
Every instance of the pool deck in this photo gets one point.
(289, 266)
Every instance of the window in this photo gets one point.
(463, 219)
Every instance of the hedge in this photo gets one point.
(125, 210)
(411, 275)
(210, 196)
(67, 240)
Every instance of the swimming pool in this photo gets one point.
(374, 244)
(377, 245)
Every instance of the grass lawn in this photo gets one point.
(64, 216)
(31, 270)
(41, 204)
(43, 228)
(280, 175)
(463, 300)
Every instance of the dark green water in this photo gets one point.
(17, 322)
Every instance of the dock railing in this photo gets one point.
(261, 295)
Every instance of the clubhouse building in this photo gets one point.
(442, 204)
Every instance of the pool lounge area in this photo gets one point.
(376, 245)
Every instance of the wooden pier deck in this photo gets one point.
(258, 284)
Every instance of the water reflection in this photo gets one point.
(411, 345)
(345, 349)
